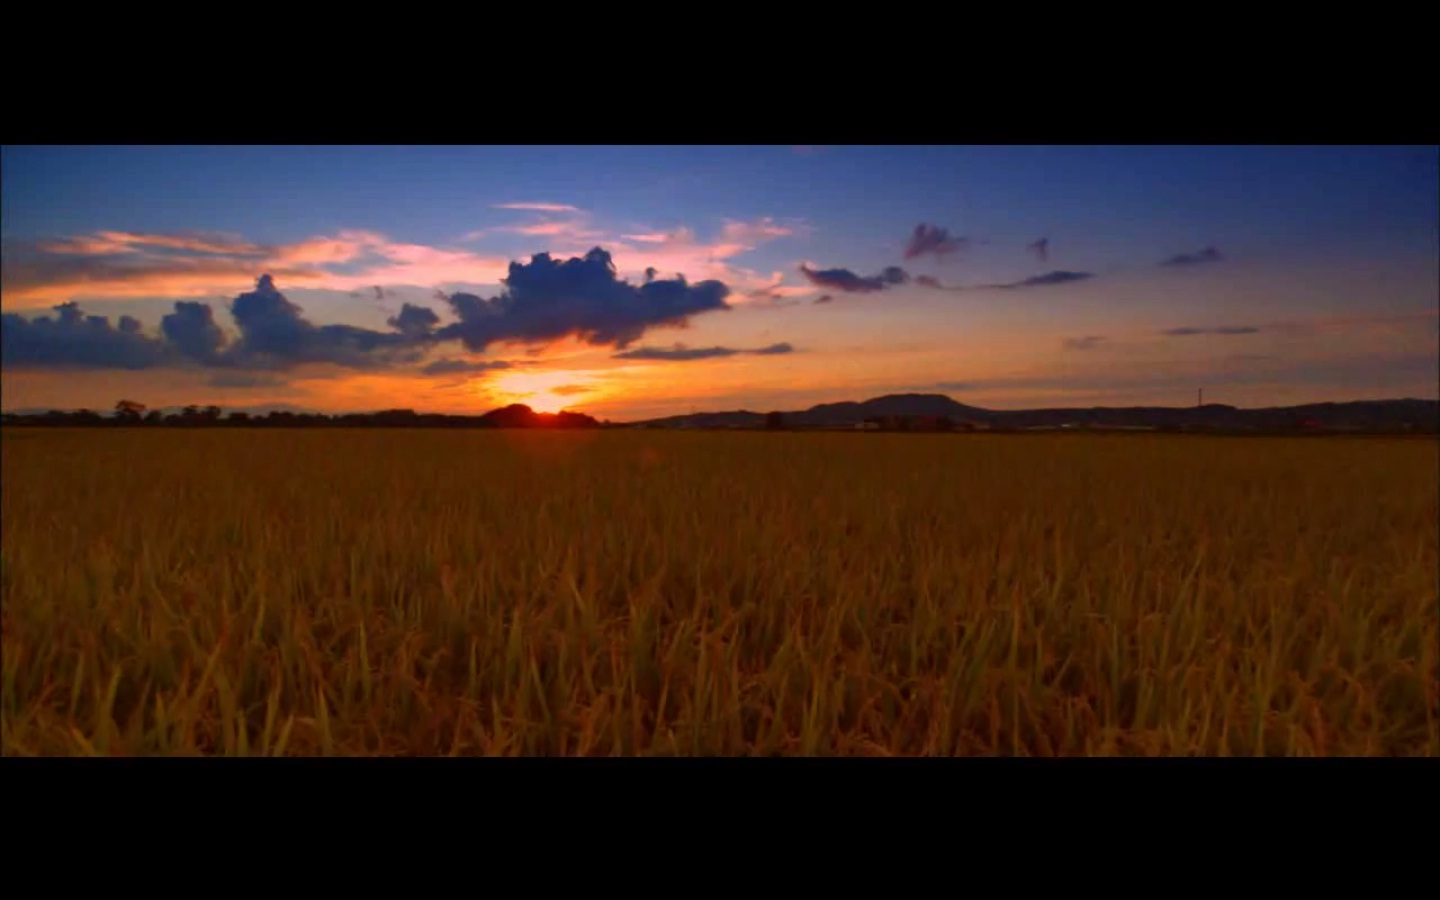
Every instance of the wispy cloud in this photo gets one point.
(1049, 278)
(570, 390)
(775, 291)
(1360, 374)
(116, 242)
(1040, 248)
(1188, 331)
(774, 349)
(935, 284)
(933, 240)
(824, 298)
(539, 207)
(1208, 255)
(850, 283)
(748, 235)
(463, 366)
(682, 353)
(1087, 342)
(682, 250)
(122, 265)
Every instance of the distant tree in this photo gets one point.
(944, 423)
(774, 421)
(210, 415)
(238, 418)
(154, 417)
(129, 412)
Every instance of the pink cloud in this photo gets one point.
(327, 251)
(105, 243)
(539, 207)
(120, 265)
(680, 251)
(542, 229)
(751, 233)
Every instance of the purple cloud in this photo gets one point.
(1208, 255)
(682, 353)
(847, 281)
(934, 240)
(547, 299)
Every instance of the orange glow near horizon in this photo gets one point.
(548, 391)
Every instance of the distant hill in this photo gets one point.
(1362, 414)
(888, 405)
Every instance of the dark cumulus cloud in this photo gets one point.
(1188, 331)
(273, 335)
(462, 366)
(543, 300)
(547, 299)
(933, 240)
(1208, 255)
(682, 353)
(73, 340)
(850, 283)
(1088, 342)
(192, 330)
(414, 321)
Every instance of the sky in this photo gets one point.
(636, 282)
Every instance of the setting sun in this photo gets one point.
(547, 392)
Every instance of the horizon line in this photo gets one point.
(109, 411)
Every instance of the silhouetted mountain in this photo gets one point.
(1407, 414)
(888, 405)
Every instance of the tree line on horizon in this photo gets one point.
(129, 413)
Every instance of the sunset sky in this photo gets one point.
(1005, 277)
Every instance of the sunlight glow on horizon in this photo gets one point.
(548, 391)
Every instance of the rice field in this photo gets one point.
(390, 592)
